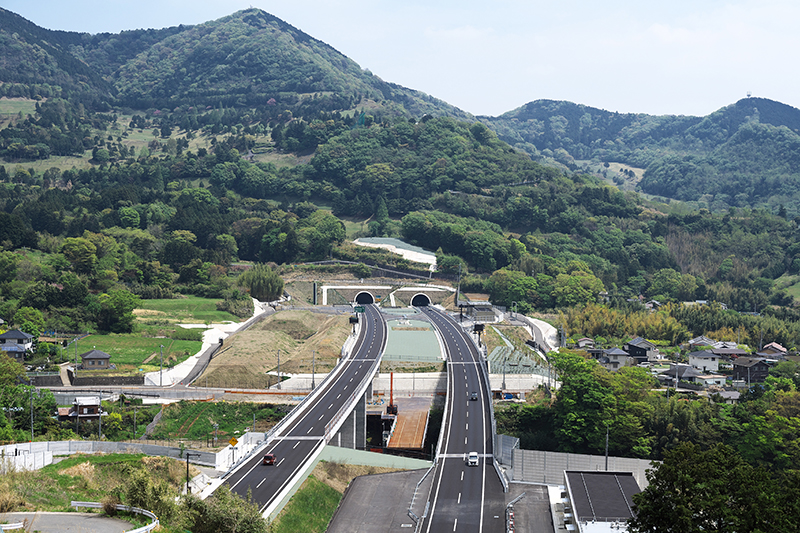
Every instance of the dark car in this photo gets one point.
(473, 397)
(269, 459)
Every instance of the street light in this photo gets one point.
(279, 370)
(161, 372)
(313, 368)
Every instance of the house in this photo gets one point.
(682, 372)
(585, 342)
(598, 501)
(704, 361)
(642, 350)
(707, 380)
(699, 342)
(613, 359)
(16, 343)
(774, 348)
(95, 360)
(750, 370)
(86, 408)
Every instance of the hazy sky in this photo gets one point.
(679, 57)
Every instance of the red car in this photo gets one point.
(269, 459)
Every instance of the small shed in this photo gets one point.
(95, 360)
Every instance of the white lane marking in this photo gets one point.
(467, 413)
(262, 481)
(351, 380)
(455, 524)
(309, 430)
(462, 475)
(338, 396)
(345, 387)
(331, 405)
(320, 417)
(465, 440)
(296, 444)
(467, 426)
(279, 462)
(459, 497)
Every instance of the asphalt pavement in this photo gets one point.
(301, 440)
(68, 522)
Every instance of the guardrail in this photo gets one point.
(296, 412)
(12, 527)
(411, 513)
(144, 529)
(332, 426)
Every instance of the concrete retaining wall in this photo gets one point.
(83, 380)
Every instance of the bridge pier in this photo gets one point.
(353, 433)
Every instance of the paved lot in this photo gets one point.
(377, 503)
(532, 512)
(68, 522)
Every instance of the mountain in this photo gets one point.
(742, 155)
(247, 59)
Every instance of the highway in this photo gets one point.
(295, 444)
(462, 497)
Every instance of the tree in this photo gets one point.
(700, 490)
(30, 321)
(10, 371)
(81, 253)
(263, 283)
(115, 311)
(224, 512)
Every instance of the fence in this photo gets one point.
(548, 467)
(35, 455)
(144, 529)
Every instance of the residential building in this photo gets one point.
(750, 370)
(16, 343)
(95, 360)
(642, 350)
(704, 361)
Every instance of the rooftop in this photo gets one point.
(601, 496)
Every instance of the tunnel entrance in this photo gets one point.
(420, 300)
(364, 298)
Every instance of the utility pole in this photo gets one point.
(505, 358)
(134, 422)
(161, 372)
(32, 409)
(606, 447)
(279, 370)
(188, 487)
(313, 368)
(100, 421)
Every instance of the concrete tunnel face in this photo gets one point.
(364, 298)
(420, 300)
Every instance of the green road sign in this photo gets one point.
(359, 309)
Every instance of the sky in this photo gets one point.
(683, 57)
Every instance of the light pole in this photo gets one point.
(313, 368)
(606, 447)
(505, 357)
(161, 372)
(279, 370)
(134, 422)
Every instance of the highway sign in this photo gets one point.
(359, 309)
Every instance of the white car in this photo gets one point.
(472, 459)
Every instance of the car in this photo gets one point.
(269, 459)
(473, 397)
(472, 459)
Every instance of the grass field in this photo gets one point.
(195, 420)
(189, 310)
(13, 106)
(129, 352)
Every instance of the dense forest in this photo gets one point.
(743, 155)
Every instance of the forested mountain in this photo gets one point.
(247, 59)
(743, 155)
(149, 162)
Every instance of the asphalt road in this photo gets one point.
(464, 498)
(306, 434)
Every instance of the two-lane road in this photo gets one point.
(463, 497)
(300, 441)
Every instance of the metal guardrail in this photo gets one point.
(12, 527)
(411, 513)
(144, 529)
